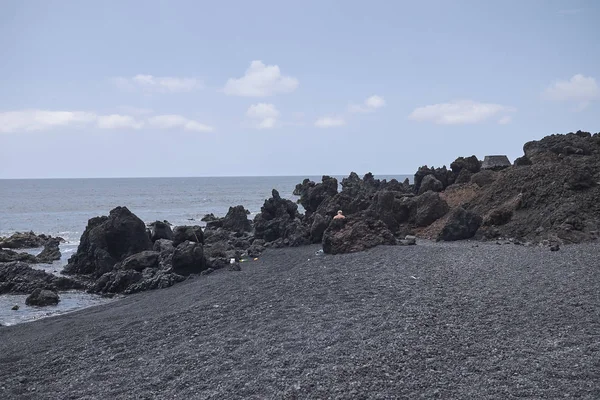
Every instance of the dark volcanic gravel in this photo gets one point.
(449, 321)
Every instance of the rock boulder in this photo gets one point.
(24, 240)
(427, 208)
(42, 297)
(279, 219)
(430, 182)
(190, 233)
(160, 230)
(356, 233)
(20, 278)
(108, 240)
(237, 220)
(188, 258)
(51, 251)
(461, 224)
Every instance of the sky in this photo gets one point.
(270, 87)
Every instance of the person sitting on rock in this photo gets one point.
(339, 215)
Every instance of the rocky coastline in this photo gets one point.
(547, 197)
(488, 304)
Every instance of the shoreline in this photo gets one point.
(449, 320)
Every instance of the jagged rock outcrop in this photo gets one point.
(108, 240)
(356, 233)
(441, 174)
(555, 197)
(392, 208)
(280, 222)
(20, 278)
(470, 164)
(550, 148)
(313, 194)
(236, 220)
(51, 251)
(143, 271)
(353, 185)
(42, 298)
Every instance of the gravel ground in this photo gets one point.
(450, 321)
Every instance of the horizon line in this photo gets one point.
(205, 176)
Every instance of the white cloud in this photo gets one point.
(162, 84)
(369, 105)
(173, 121)
(329, 122)
(266, 112)
(115, 121)
(375, 102)
(262, 110)
(135, 110)
(579, 88)
(458, 112)
(267, 123)
(507, 119)
(39, 120)
(260, 80)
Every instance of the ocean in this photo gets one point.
(62, 207)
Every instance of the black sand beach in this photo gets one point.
(460, 320)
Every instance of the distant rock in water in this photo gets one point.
(209, 217)
(42, 297)
(20, 278)
(10, 255)
(25, 240)
(108, 240)
(51, 251)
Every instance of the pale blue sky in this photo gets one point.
(140, 88)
